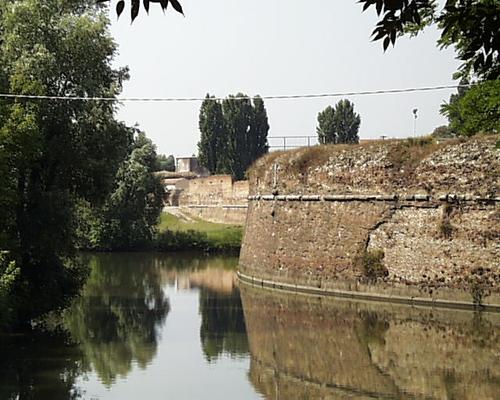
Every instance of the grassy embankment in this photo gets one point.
(195, 234)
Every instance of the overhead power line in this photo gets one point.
(269, 97)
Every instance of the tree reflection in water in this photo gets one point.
(39, 365)
(305, 347)
(117, 319)
(222, 324)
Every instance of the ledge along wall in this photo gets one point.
(410, 218)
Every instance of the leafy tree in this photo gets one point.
(238, 114)
(233, 134)
(54, 152)
(326, 128)
(339, 124)
(164, 163)
(346, 122)
(128, 218)
(475, 110)
(259, 129)
(213, 140)
(471, 26)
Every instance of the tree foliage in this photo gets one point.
(471, 26)
(128, 218)
(213, 141)
(164, 163)
(135, 6)
(339, 124)
(233, 134)
(326, 127)
(475, 110)
(53, 153)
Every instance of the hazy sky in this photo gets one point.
(271, 47)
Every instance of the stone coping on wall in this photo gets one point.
(359, 295)
(228, 206)
(450, 197)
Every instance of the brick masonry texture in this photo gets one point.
(437, 249)
(216, 198)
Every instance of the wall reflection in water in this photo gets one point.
(323, 348)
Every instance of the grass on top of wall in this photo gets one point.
(196, 234)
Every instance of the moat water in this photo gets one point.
(157, 326)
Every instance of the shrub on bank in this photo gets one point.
(170, 240)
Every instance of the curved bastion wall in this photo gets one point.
(408, 218)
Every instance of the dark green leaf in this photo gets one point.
(134, 9)
(387, 41)
(379, 34)
(393, 36)
(177, 6)
(119, 7)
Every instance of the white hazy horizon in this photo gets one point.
(278, 47)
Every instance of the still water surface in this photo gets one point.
(158, 326)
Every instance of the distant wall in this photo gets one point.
(321, 216)
(216, 198)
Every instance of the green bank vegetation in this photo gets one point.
(175, 233)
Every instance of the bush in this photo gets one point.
(477, 110)
(371, 262)
(442, 132)
(169, 240)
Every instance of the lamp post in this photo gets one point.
(415, 110)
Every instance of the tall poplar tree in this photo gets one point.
(233, 134)
(238, 115)
(212, 146)
(259, 129)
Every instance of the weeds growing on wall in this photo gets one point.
(478, 286)
(445, 226)
(405, 155)
(371, 263)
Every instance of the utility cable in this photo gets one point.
(197, 99)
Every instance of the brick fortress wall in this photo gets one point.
(400, 218)
(216, 198)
